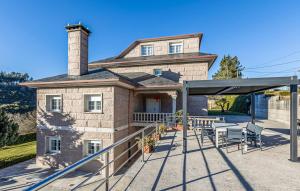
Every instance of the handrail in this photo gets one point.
(85, 160)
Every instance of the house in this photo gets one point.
(98, 103)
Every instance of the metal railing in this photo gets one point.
(150, 117)
(142, 133)
(203, 121)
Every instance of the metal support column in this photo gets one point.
(184, 116)
(107, 171)
(293, 120)
(253, 108)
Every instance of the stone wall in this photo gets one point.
(73, 108)
(162, 47)
(77, 52)
(197, 105)
(175, 72)
(72, 148)
(74, 125)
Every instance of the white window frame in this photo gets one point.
(87, 100)
(157, 69)
(175, 44)
(58, 148)
(51, 97)
(148, 53)
(92, 141)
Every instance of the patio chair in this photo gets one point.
(235, 135)
(205, 129)
(254, 134)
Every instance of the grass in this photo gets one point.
(219, 112)
(13, 154)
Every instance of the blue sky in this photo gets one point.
(264, 34)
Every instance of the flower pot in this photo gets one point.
(179, 127)
(148, 149)
(156, 137)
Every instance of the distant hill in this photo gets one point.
(15, 98)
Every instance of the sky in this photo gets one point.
(263, 34)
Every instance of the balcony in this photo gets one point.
(144, 118)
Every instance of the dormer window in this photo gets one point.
(175, 47)
(147, 50)
(157, 72)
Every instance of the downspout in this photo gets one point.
(128, 122)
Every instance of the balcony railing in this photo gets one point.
(151, 117)
(203, 121)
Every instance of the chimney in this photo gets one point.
(77, 49)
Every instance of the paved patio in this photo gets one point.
(203, 167)
(207, 168)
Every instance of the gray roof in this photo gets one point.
(145, 79)
(144, 58)
(237, 86)
(91, 75)
(132, 78)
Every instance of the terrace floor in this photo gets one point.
(203, 167)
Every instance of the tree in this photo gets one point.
(14, 98)
(223, 102)
(8, 129)
(230, 67)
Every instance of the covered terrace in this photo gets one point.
(243, 87)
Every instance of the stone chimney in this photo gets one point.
(77, 49)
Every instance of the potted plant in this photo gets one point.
(179, 122)
(156, 136)
(162, 129)
(149, 143)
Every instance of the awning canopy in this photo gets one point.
(242, 87)
(237, 86)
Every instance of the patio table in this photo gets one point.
(222, 128)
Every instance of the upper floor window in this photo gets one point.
(54, 144)
(157, 72)
(147, 50)
(93, 103)
(53, 103)
(175, 47)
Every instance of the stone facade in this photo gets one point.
(197, 105)
(74, 126)
(77, 52)
(162, 47)
(176, 72)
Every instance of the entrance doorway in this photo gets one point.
(153, 105)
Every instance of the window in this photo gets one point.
(54, 144)
(147, 50)
(93, 103)
(157, 72)
(53, 103)
(92, 146)
(175, 48)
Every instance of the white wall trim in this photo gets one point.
(82, 129)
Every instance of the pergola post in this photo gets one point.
(293, 119)
(184, 116)
(253, 108)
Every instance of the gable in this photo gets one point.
(191, 43)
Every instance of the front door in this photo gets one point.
(152, 105)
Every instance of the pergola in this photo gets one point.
(244, 87)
